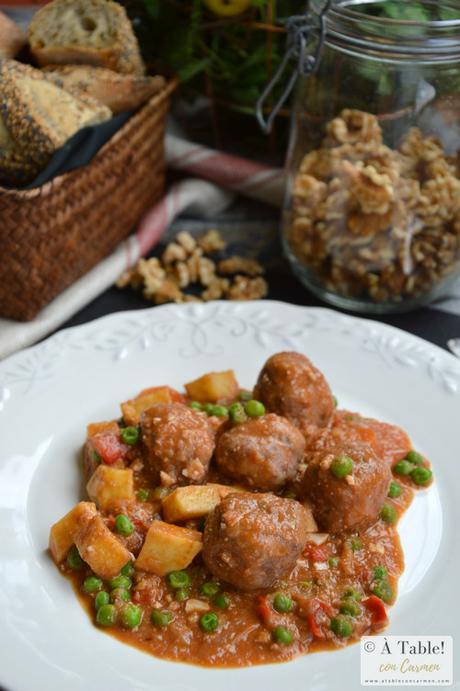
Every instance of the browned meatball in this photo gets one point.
(290, 385)
(263, 453)
(178, 443)
(350, 502)
(253, 540)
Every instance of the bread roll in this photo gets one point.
(91, 32)
(119, 92)
(12, 38)
(37, 118)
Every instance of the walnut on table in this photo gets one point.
(183, 264)
(240, 265)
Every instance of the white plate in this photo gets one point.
(50, 392)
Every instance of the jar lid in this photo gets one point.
(422, 31)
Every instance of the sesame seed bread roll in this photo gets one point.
(37, 118)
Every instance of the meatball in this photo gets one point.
(290, 385)
(253, 540)
(350, 502)
(177, 443)
(263, 453)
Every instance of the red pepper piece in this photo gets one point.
(109, 447)
(315, 618)
(263, 609)
(377, 609)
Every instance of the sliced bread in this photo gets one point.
(119, 92)
(91, 32)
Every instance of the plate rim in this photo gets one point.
(450, 360)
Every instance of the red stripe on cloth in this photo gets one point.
(225, 169)
(266, 180)
(179, 160)
(152, 226)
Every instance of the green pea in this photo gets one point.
(219, 411)
(102, 598)
(283, 603)
(254, 408)
(123, 525)
(209, 622)
(282, 635)
(388, 514)
(131, 616)
(106, 615)
(74, 559)
(403, 467)
(350, 607)
(222, 601)
(92, 584)
(341, 626)
(120, 594)
(195, 405)
(380, 572)
(336, 402)
(383, 590)
(182, 594)
(342, 466)
(333, 562)
(130, 435)
(356, 544)
(209, 589)
(128, 569)
(143, 494)
(237, 413)
(414, 457)
(245, 395)
(421, 476)
(159, 618)
(208, 408)
(96, 457)
(120, 582)
(179, 579)
(353, 593)
(395, 490)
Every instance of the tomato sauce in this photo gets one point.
(317, 586)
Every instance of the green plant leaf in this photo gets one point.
(192, 69)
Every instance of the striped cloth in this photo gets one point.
(222, 177)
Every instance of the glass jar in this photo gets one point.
(372, 213)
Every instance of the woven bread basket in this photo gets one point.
(53, 234)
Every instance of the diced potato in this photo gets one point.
(97, 427)
(214, 386)
(109, 485)
(62, 533)
(104, 553)
(193, 501)
(133, 409)
(168, 548)
(195, 605)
